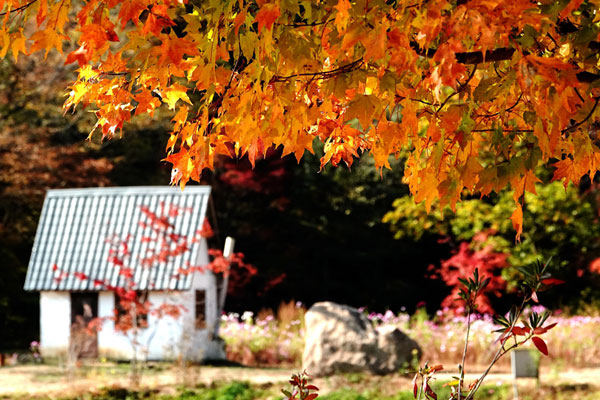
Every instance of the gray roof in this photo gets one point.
(75, 226)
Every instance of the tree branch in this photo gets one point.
(303, 24)
(500, 54)
(18, 8)
(323, 74)
(470, 57)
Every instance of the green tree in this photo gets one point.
(560, 223)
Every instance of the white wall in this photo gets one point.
(165, 338)
(55, 322)
(201, 341)
(162, 338)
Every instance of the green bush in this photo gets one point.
(229, 391)
(489, 392)
(344, 394)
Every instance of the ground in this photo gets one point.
(46, 381)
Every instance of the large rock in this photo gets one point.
(339, 338)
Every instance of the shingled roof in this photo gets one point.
(75, 224)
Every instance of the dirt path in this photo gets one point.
(53, 381)
(32, 380)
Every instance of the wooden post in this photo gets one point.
(227, 252)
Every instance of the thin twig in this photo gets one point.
(498, 113)
(323, 74)
(459, 90)
(501, 351)
(579, 94)
(303, 24)
(464, 355)
(583, 120)
(18, 8)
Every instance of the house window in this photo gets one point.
(121, 312)
(200, 313)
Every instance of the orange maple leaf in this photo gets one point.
(130, 11)
(566, 170)
(267, 15)
(517, 221)
(147, 103)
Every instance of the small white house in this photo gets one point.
(70, 268)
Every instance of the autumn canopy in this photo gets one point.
(474, 93)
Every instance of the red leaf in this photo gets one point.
(436, 368)
(541, 345)
(552, 281)
(539, 331)
(521, 330)
(415, 387)
(311, 396)
(430, 392)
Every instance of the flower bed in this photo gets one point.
(269, 341)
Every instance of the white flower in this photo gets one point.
(247, 316)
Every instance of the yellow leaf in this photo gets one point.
(18, 44)
(174, 93)
(47, 39)
(5, 41)
(87, 72)
(426, 189)
(362, 107)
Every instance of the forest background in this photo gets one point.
(353, 237)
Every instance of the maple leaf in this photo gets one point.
(362, 107)
(342, 16)
(267, 76)
(157, 19)
(147, 103)
(47, 40)
(82, 55)
(426, 189)
(18, 44)
(517, 221)
(87, 72)
(566, 171)
(42, 12)
(238, 21)
(174, 49)
(174, 93)
(267, 15)
(130, 11)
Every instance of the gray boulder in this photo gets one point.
(339, 338)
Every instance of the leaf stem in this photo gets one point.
(464, 355)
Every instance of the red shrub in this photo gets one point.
(462, 264)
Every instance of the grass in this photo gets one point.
(366, 391)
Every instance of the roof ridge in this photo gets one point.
(123, 190)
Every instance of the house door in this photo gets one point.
(83, 342)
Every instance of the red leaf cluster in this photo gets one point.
(463, 263)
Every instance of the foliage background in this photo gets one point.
(313, 234)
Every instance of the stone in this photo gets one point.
(339, 338)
